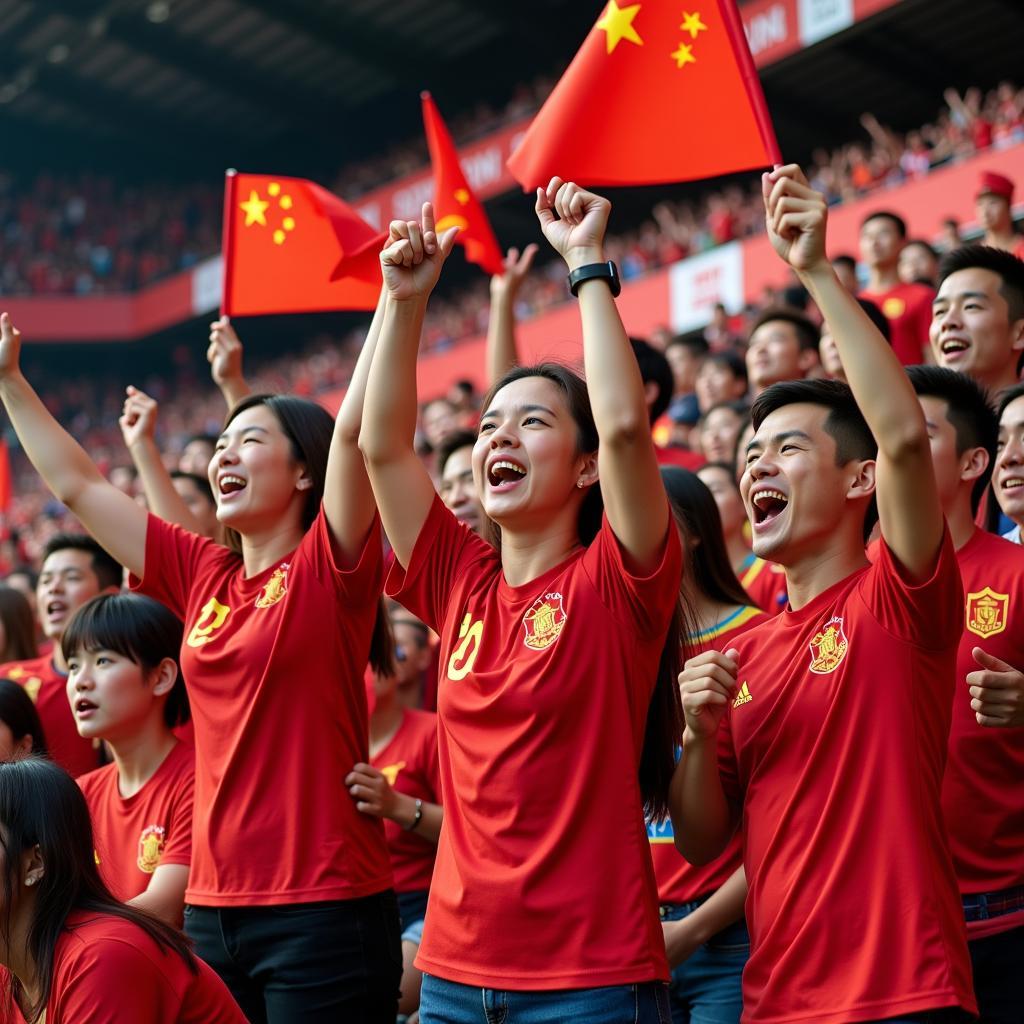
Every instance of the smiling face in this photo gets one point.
(458, 491)
(1008, 477)
(795, 495)
(66, 582)
(880, 242)
(111, 696)
(254, 475)
(774, 355)
(718, 434)
(717, 383)
(971, 330)
(526, 462)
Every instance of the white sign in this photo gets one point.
(207, 282)
(698, 283)
(822, 18)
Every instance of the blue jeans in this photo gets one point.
(447, 1002)
(707, 988)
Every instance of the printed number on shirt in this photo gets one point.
(212, 616)
(460, 664)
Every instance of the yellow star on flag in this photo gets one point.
(617, 24)
(255, 209)
(683, 55)
(693, 24)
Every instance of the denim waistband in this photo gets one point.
(983, 905)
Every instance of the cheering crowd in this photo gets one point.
(722, 642)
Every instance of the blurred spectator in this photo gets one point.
(783, 346)
(993, 205)
(918, 263)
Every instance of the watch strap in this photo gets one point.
(589, 271)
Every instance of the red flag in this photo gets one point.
(291, 246)
(657, 93)
(454, 202)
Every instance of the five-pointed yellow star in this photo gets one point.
(693, 24)
(683, 55)
(617, 24)
(255, 209)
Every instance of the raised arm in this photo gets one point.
(634, 496)
(908, 503)
(224, 354)
(138, 428)
(502, 353)
(411, 261)
(114, 519)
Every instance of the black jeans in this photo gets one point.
(997, 962)
(314, 963)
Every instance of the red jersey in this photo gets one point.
(274, 670)
(107, 970)
(765, 584)
(543, 877)
(48, 689)
(682, 457)
(981, 788)
(134, 835)
(679, 881)
(409, 763)
(837, 744)
(908, 308)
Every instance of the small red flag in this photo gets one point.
(454, 202)
(291, 246)
(656, 94)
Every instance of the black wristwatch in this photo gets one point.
(589, 271)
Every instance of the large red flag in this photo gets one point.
(454, 202)
(291, 246)
(657, 93)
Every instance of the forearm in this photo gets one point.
(234, 390)
(350, 414)
(63, 464)
(702, 819)
(721, 908)
(162, 498)
(169, 910)
(429, 826)
(502, 353)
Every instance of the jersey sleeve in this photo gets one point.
(179, 844)
(929, 614)
(445, 551)
(641, 603)
(173, 559)
(360, 583)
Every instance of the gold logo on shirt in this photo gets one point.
(743, 696)
(460, 664)
(543, 622)
(986, 612)
(390, 772)
(829, 647)
(151, 846)
(893, 307)
(275, 588)
(212, 616)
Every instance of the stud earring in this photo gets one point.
(579, 483)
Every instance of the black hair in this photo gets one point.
(41, 805)
(731, 361)
(969, 411)
(707, 562)
(18, 713)
(729, 471)
(452, 443)
(139, 629)
(108, 571)
(807, 333)
(310, 430)
(921, 243)
(1004, 264)
(19, 626)
(736, 405)
(694, 343)
(210, 439)
(202, 484)
(845, 260)
(1006, 396)
(993, 512)
(654, 367)
(465, 385)
(665, 713)
(895, 218)
(845, 423)
(877, 317)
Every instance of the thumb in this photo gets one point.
(734, 654)
(447, 240)
(986, 660)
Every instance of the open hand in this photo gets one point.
(795, 216)
(706, 685)
(138, 420)
(517, 266)
(413, 256)
(573, 221)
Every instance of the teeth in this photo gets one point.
(225, 480)
(1014, 481)
(954, 346)
(502, 464)
(775, 495)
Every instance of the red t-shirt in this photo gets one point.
(679, 881)
(838, 742)
(409, 762)
(134, 835)
(109, 971)
(682, 457)
(543, 877)
(908, 308)
(48, 689)
(274, 669)
(765, 583)
(985, 772)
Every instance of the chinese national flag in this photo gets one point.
(454, 203)
(291, 246)
(658, 92)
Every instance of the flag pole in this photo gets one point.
(227, 243)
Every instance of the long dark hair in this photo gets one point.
(41, 805)
(139, 629)
(19, 626)
(664, 724)
(19, 714)
(310, 430)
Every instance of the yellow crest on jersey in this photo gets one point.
(275, 588)
(986, 612)
(829, 647)
(151, 846)
(543, 622)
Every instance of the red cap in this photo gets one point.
(996, 185)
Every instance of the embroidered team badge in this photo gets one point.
(829, 647)
(151, 846)
(543, 622)
(986, 612)
(275, 588)
(390, 772)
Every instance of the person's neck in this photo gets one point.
(1007, 377)
(262, 550)
(707, 611)
(960, 520)
(738, 551)
(1001, 238)
(139, 756)
(384, 722)
(15, 954)
(529, 553)
(810, 575)
(882, 278)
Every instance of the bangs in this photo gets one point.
(133, 626)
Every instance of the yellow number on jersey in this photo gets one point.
(212, 616)
(460, 664)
